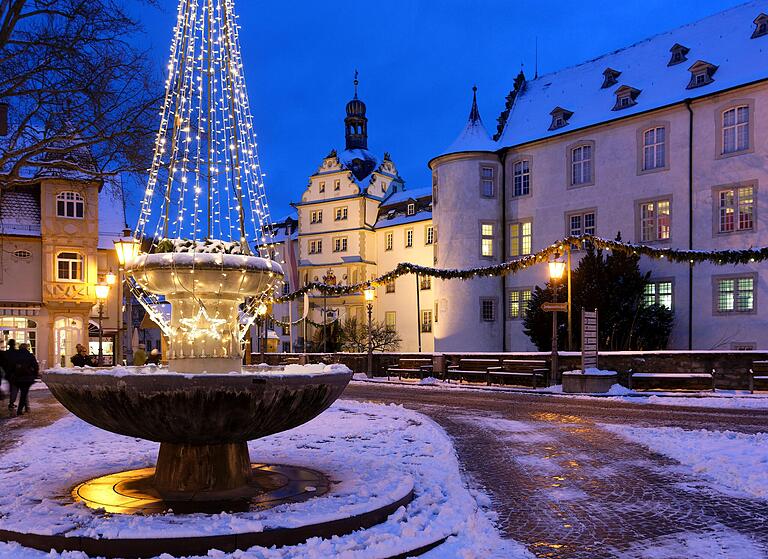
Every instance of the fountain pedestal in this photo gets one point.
(215, 470)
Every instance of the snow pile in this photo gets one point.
(591, 371)
(725, 401)
(373, 453)
(735, 460)
(207, 246)
(251, 370)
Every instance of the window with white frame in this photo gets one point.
(655, 220)
(581, 223)
(518, 302)
(316, 216)
(69, 266)
(486, 239)
(736, 129)
(340, 214)
(408, 238)
(322, 187)
(487, 182)
(736, 209)
(390, 320)
(520, 238)
(429, 235)
(389, 286)
(521, 178)
(410, 209)
(487, 309)
(315, 246)
(426, 321)
(658, 293)
(654, 148)
(340, 244)
(389, 240)
(581, 165)
(337, 184)
(735, 294)
(70, 204)
(425, 282)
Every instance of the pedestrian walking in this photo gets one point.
(8, 359)
(2, 372)
(25, 372)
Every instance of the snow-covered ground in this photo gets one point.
(735, 461)
(374, 452)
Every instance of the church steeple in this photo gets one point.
(356, 123)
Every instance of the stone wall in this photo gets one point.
(731, 367)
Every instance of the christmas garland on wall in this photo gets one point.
(555, 250)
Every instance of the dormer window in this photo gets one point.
(625, 97)
(610, 77)
(411, 209)
(560, 118)
(679, 54)
(761, 26)
(701, 74)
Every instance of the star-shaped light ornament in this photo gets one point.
(202, 325)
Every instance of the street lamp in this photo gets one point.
(110, 278)
(261, 312)
(370, 293)
(127, 248)
(556, 270)
(102, 292)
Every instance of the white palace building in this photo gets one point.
(664, 142)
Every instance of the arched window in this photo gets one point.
(70, 204)
(69, 266)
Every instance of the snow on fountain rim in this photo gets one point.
(312, 370)
(205, 260)
(347, 443)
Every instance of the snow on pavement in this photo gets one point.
(374, 451)
(735, 461)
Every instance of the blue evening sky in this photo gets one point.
(418, 60)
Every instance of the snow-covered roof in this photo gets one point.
(723, 40)
(404, 195)
(474, 137)
(111, 215)
(401, 219)
(20, 213)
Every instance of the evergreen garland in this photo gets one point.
(717, 257)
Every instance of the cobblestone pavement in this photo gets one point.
(568, 489)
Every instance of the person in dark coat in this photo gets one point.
(8, 358)
(2, 373)
(81, 358)
(25, 372)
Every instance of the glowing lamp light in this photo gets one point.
(556, 270)
(102, 291)
(261, 310)
(111, 278)
(127, 248)
(369, 292)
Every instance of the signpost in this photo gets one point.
(554, 307)
(588, 339)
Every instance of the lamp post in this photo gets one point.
(370, 293)
(261, 311)
(556, 270)
(102, 292)
(126, 248)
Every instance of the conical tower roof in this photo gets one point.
(474, 137)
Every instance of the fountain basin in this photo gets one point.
(202, 422)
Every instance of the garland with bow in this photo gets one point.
(555, 250)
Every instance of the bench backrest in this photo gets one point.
(410, 362)
(760, 367)
(477, 364)
(523, 365)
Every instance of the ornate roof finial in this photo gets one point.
(356, 82)
(474, 114)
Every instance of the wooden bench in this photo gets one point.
(526, 372)
(697, 379)
(472, 369)
(291, 361)
(408, 366)
(758, 374)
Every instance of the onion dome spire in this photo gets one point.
(356, 123)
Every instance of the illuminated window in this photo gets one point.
(69, 266)
(735, 294)
(520, 236)
(390, 320)
(658, 293)
(486, 240)
(518, 303)
(426, 321)
(736, 208)
(655, 221)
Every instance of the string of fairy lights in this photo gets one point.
(206, 180)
